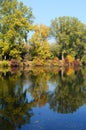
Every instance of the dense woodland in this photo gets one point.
(22, 40)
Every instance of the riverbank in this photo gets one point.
(40, 62)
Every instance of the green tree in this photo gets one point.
(15, 23)
(69, 34)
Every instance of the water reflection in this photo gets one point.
(21, 91)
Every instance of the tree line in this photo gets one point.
(17, 24)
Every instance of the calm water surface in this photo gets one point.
(43, 99)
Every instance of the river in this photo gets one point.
(43, 99)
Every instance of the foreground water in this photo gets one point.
(43, 99)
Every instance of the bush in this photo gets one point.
(15, 63)
(70, 58)
(5, 63)
(55, 61)
(83, 60)
(47, 62)
(38, 62)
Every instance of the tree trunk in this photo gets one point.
(62, 56)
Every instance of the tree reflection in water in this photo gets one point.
(24, 90)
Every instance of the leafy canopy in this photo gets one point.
(15, 23)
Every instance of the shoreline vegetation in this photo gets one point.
(25, 44)
(41, 63)
(62, 70)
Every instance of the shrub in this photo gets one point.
(38, 62)
(70, 58)
(83, 60)
(5, 63)
(55, 61)
(47, 62)
(15, 63)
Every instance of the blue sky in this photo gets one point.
(46, 10)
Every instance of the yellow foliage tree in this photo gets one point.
(70, 58)
(39, 43)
